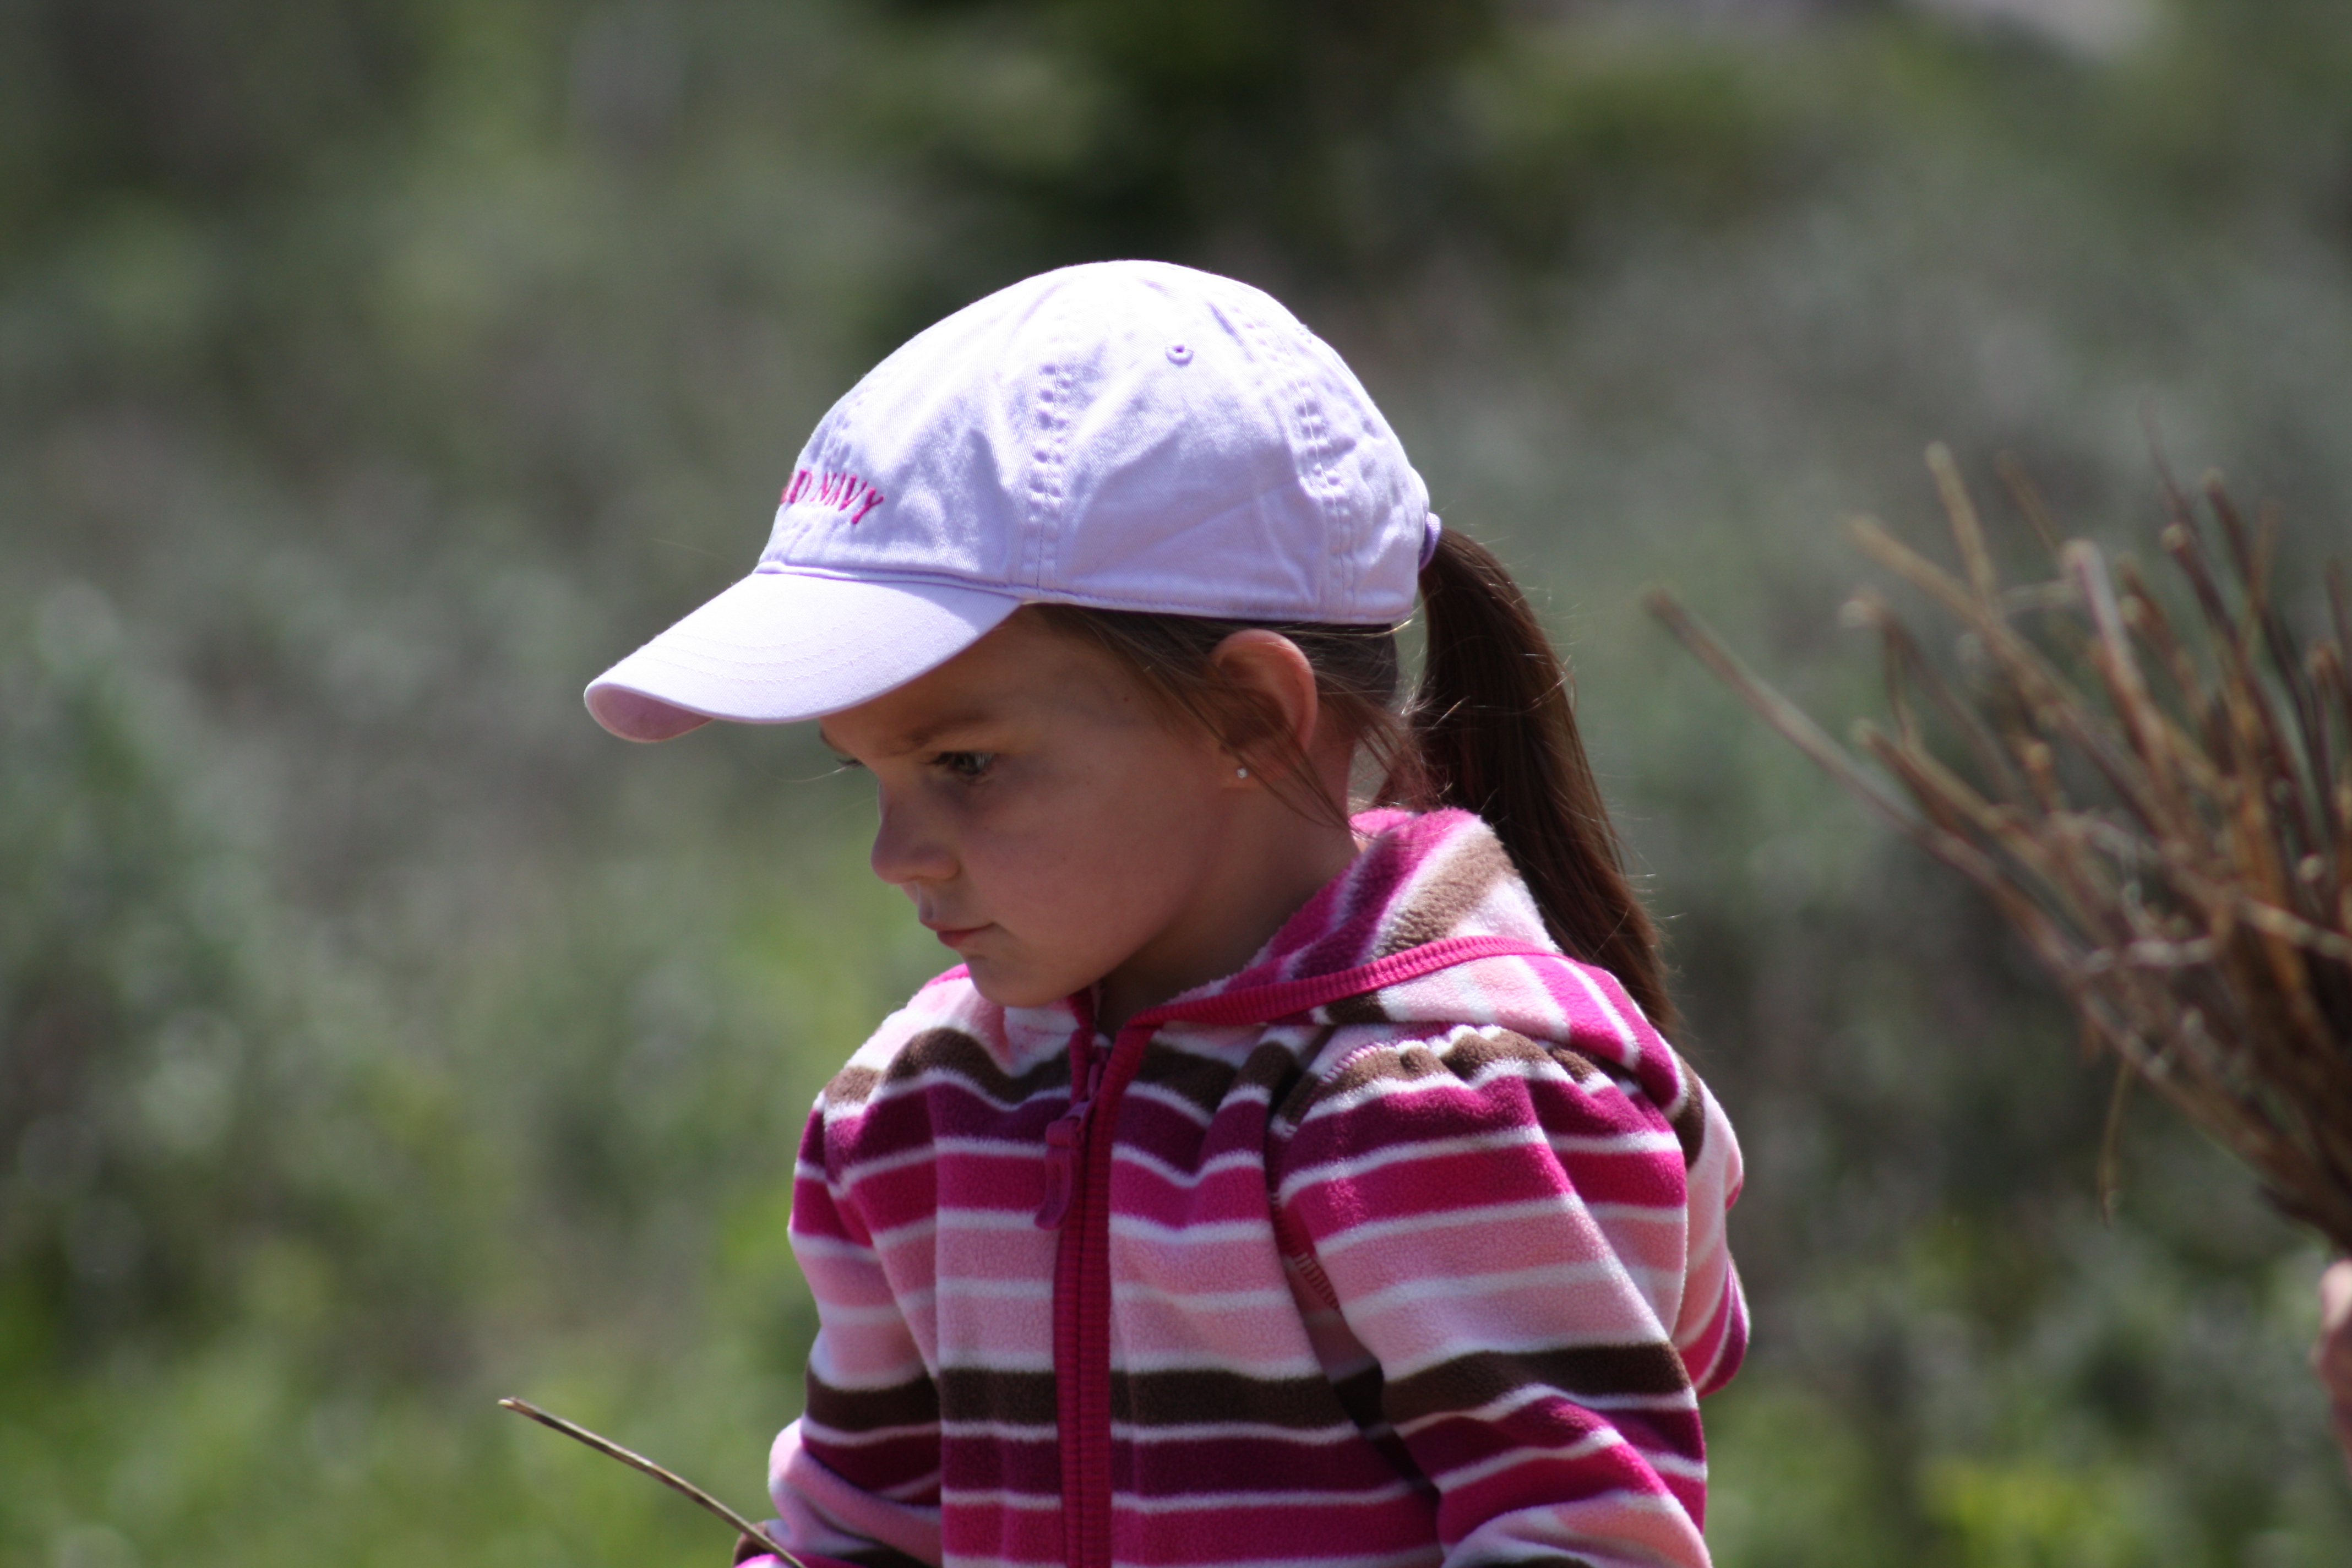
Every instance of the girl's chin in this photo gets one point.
(1016, 985)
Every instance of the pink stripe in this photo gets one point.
(1223, 1530)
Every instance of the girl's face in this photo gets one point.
(1056, 828)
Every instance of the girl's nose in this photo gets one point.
(906, 850)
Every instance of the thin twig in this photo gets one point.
(637, 1461)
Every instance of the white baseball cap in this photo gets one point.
(1126, 435)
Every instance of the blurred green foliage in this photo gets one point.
(376, 1036)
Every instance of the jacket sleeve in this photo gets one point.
(1505, 1228)
(1711, 1329)
(857, 1476)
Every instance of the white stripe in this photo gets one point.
(1033, 1502)
(936, 1148)
(1412, 1557)
(891, 1313)
(1197, 1502)
(1645, 1142)
(1002, 1431)
(1453, 1081)
(959, 1219)
(1511, 1458)
(1158, 1095)
(887, 1088)
(1136, 1291)
(970, 1289)
(1002, 1359)
(1530, 989)
(1628, 1041)
(1561, 1205)
(890, 1235)
(962, 1218)
(1681, 1399)
(842, 1439)
(1011, 1502)
(1202, 1233)
(1463, 1287)
(1276, 1362)
(1244, 1159)
(826, 1368)
(1503, 1406)
(1206, 1431)
(882, 1164)
(1399, 1154)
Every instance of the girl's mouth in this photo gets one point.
(956, 936)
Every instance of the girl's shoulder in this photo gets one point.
(1536, 1039)
(947, 1027)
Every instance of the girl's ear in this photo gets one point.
(1278, 706)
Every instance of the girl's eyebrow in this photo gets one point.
(924, 735)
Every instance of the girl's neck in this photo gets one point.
(1277, 860)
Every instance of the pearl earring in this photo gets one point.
(1241, 773)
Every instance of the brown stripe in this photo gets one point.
(1362, 1008)
(1459, 878)
(1014, 1398)
(1277, 1069)
(850, 1086)
(1294, 1093)
(1689, 1122)
(1468, 1382)
(1360, 1396)
(914, 1403)
(1191, 1397)
(1201, 1081)
(1402, 1063)
(952, 1051)
(1472, 863)
(1473, 1052)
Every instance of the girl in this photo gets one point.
(1266, 1185)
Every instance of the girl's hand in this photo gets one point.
(2331, 1357)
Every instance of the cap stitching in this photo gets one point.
(1048, 476)
(1331, 566)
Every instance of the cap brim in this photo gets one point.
(779, 646)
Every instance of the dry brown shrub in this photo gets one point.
(2158, 800)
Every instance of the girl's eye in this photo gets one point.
(970, 767)
(846, 763)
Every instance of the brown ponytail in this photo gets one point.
(1492, 731)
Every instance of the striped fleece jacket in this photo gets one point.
(1403, 1246)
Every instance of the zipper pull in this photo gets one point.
(1064, 1135)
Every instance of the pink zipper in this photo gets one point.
(1064, 1137)
(1079, 1145)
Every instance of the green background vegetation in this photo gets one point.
(377, 1037)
